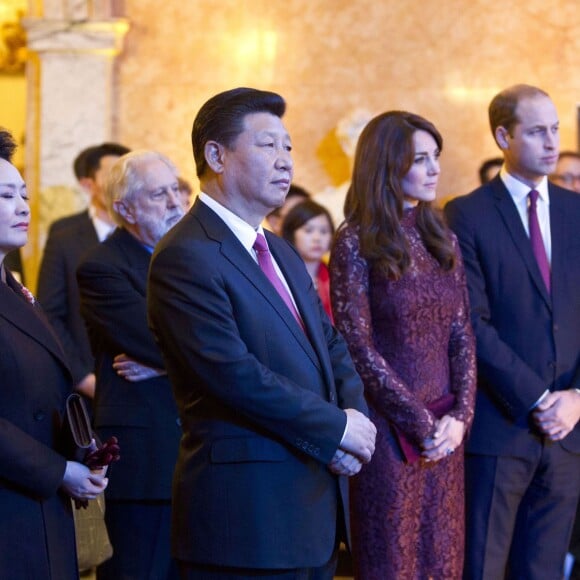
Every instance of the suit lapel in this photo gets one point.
(560, 235)
(510, 216)
(310, 317)
(28, 319)
(236, 254)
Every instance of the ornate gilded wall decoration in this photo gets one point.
(12, 42)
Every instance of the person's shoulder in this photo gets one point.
(103, 251)
(564, 196)
(71, 221)
(189, 244)
(187, 231)
(479, 195)
(347, 235)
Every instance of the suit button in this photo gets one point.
(39, 415)
(178, 421)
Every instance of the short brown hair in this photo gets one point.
(502, 109)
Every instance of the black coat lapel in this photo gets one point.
(29, 319)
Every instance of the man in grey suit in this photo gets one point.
(272, 408)
(520, 244)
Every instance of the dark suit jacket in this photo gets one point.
(36, 524)
(259, 400)
(527, 340)
(142, 415)
(68, 240)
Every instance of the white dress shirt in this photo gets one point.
(245, 233)
(519, 192)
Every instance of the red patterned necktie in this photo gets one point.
(267, 266)
(536, 239)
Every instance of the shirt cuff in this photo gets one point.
(344, 432)
(542, 397)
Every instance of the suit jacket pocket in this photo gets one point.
(123, 415)
(247, 449)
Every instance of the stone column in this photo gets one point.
(70, 81)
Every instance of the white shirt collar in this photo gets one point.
(245, 233)
(104, 229)
(519, 191)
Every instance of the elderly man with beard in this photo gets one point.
(133, 398)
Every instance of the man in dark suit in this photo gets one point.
(271, 406)
(133, 398)
(68, 239)
(519, 239)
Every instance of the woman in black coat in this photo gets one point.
(36, 482)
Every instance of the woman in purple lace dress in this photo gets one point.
(399, 298)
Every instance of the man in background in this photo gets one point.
(567, 173)
(519, 240)
(68, 239)
(489, 169)
(133, 398)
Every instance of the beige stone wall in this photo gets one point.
(443, 59)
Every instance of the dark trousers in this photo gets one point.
(520, 513)
(140, 535)
(191, 571)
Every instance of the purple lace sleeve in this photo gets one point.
(384, 388)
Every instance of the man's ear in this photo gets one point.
(502, 137)
(86, 184)
(125, 211)
(214, 156)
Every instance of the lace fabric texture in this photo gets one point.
(412, 342)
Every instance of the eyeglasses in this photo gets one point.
(567, 178)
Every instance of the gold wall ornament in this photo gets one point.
(12, 44)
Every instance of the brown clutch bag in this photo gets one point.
(439, 408)
(81, 443)
(78, 433)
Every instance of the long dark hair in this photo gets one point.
(374, 202)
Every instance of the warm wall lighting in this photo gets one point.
(252, 51)
(256, 47)
(463, 94)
